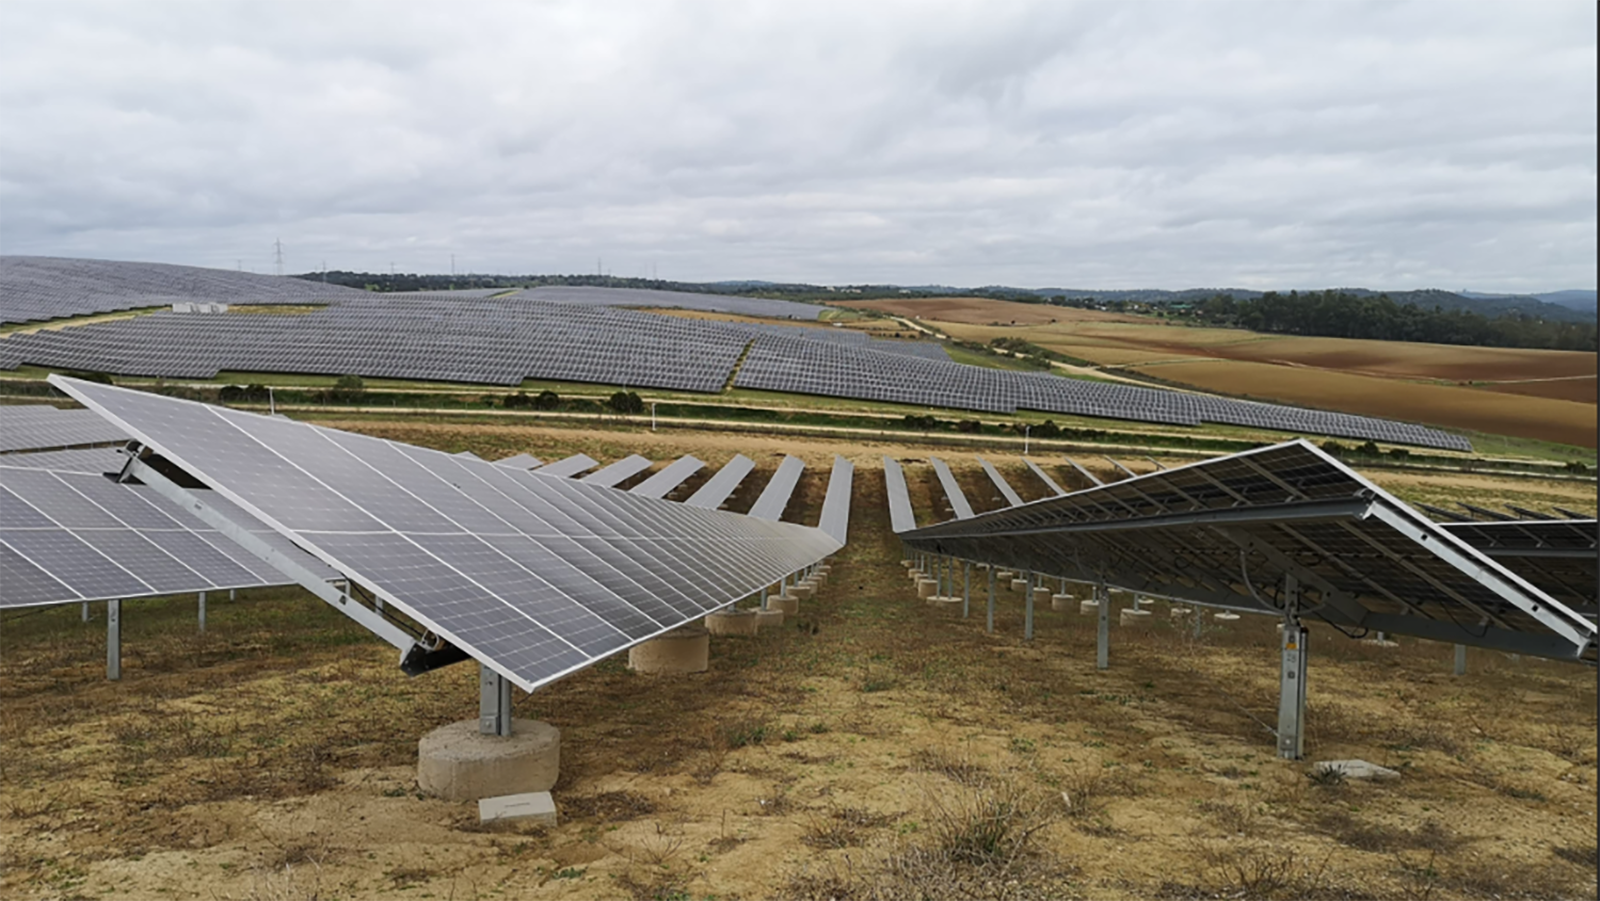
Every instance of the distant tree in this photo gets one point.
(549, 400)
(347, 389)
(627, 403)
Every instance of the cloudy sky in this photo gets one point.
(1387, 145)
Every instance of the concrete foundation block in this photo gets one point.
(927, 588)
(1179, 612)
(1041, 595)
(731, 621)
(1019, 584)
(537, 807)
(1004, 576)
(1136, 618)
(1358, 769)
(1090, 607)
(457, 763)
(943, 602)
(803, 590)
(1225, 617)
(1061, 601)
(770, 618)
(908, 564)
(1380, 643)
(789, 604)
(683, 650)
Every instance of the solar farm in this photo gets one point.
(282, 652)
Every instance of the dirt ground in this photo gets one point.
(872, 747)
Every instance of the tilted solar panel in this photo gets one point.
(1044, 477)
(836, 505)
(721, 486)
(567, 467)
(617, 472)
(1000, 484)
(671, 476)
(901, 516)
(1231, 532)
(774, 498)
(534, 576)
(952, 490)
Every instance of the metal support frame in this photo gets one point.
(374, 621)
(990, 625)
(966, 589)
(1292, 676)
(1102, 652)
(1027, 608)
(85, 611)
(201, 604)
(1461, 660)
(113, 640)
(494, 702)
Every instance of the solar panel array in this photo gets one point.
(1006, 491)
(637, 297)
(671, 476)
(67, 537)
(535, 577)
(721, 486)
(467, 338)
(1229, 531)
(774, 498)
(566, 467)
(1558, 555)
(617, 472)
(807, 367)
(901, 516)
(952, 489)
(43, 427)
(36, 289)
(836, 505)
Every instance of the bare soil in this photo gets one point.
(871, 748)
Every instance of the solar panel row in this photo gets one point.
(43, 427)
(806, 367)
(534, 576)
(68, 537)
(36, 289)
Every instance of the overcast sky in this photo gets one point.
(1385, 145)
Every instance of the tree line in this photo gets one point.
(1337, 314)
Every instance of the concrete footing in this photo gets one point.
(803, 590)
(1179, 612)
(732, 621)
(1380, 643)
(1225, 617)
(1089, 607)
(1004, 576)
(927, 588)
(943, 602)
(458, 763)
(789, 605)
(683, 650)
(1136, 618)
(1019, 584)
(531, 807)
(1041, 594)
(770, 618)
(1061, 601)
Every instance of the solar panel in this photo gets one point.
(617, 472)
(1228, 531)
(1120, 468)
(774, 498)
(1089, 476)
(720, 487)
(535, 577)
(952, 491)
(836, 505)
(901, 516)
(521, 461)
(69, 536)
(90, 460)
(567, 467)
(41, 427)
(1559, 556)
(1044, 477)
(1000, 483)
(670, 477)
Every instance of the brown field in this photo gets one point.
(1541, 394)
(875, 750)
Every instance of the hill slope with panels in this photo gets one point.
(639, 297)
(465, 338)
(37, 289)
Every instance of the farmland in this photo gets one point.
(849, 753)
(1546, 395)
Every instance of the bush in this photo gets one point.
(243, 394)
(969, 426)
(1577, 467)
(549, 400)
(921, 423)
(627, 403)
(349, 389)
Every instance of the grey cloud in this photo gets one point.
(1025, 143)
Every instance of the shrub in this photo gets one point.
(549, 400)
(627, 403)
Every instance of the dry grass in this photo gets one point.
(775, 775)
